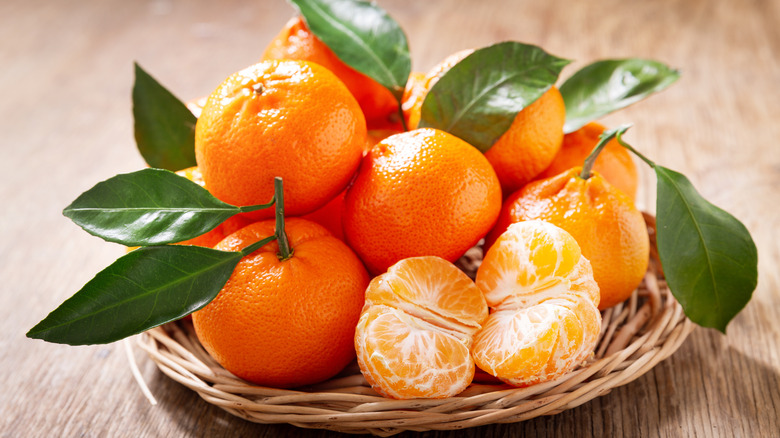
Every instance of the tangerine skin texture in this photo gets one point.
(291, 119)
(614, 163)
(286, 323)
(530, 143)
(296, 41)
(609, 229)
(422, 192)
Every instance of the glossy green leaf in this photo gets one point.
(479, 97)
(148, 207)
(363, 36)
(141, 290)
(609, 85)
(164, 126)
(709, 259)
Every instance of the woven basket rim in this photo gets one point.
(636, 335)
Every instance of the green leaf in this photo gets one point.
(143, 289)
(709, 259)
(148, 207)
(363, 36)
(609, 85)
(164, 126)
(479, 97)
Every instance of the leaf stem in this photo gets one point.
(257, 245)
(248, 208)
(604, 138)
(619, 138)
(285, 252)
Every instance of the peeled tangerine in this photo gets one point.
(416, 329)
(544, 318)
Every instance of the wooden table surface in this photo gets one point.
(66, 70)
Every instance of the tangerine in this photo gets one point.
(416, 328)
(542, 295)
(291, 119)
(296, 41)
(607, 226)
(285, 323)
(422, 192)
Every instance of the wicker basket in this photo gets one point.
(635, 336)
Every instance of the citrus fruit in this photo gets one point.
(525, 149)
(614, 163)
(296, 41)
(607, 226)
(291, 119)
(285, 323)
(542, 296)
(530, 143)
(416, 328)
(422, 192)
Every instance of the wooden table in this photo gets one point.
(65, 124)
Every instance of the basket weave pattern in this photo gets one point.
(635, 336)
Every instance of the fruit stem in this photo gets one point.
(604, 138)
(285, 252)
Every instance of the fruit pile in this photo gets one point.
(320, 202)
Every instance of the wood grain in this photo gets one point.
(65, 124)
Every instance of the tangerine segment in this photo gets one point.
(545, 319)
(528, 265)
(403, 356)
(417, 327)
(444, 295)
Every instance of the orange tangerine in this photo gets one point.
(291, 119)
(544, 319)
(414, 334)
(285, 323)
(422, 192)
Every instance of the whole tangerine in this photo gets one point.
(285, 323)
(422, 192)
(291, 119)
